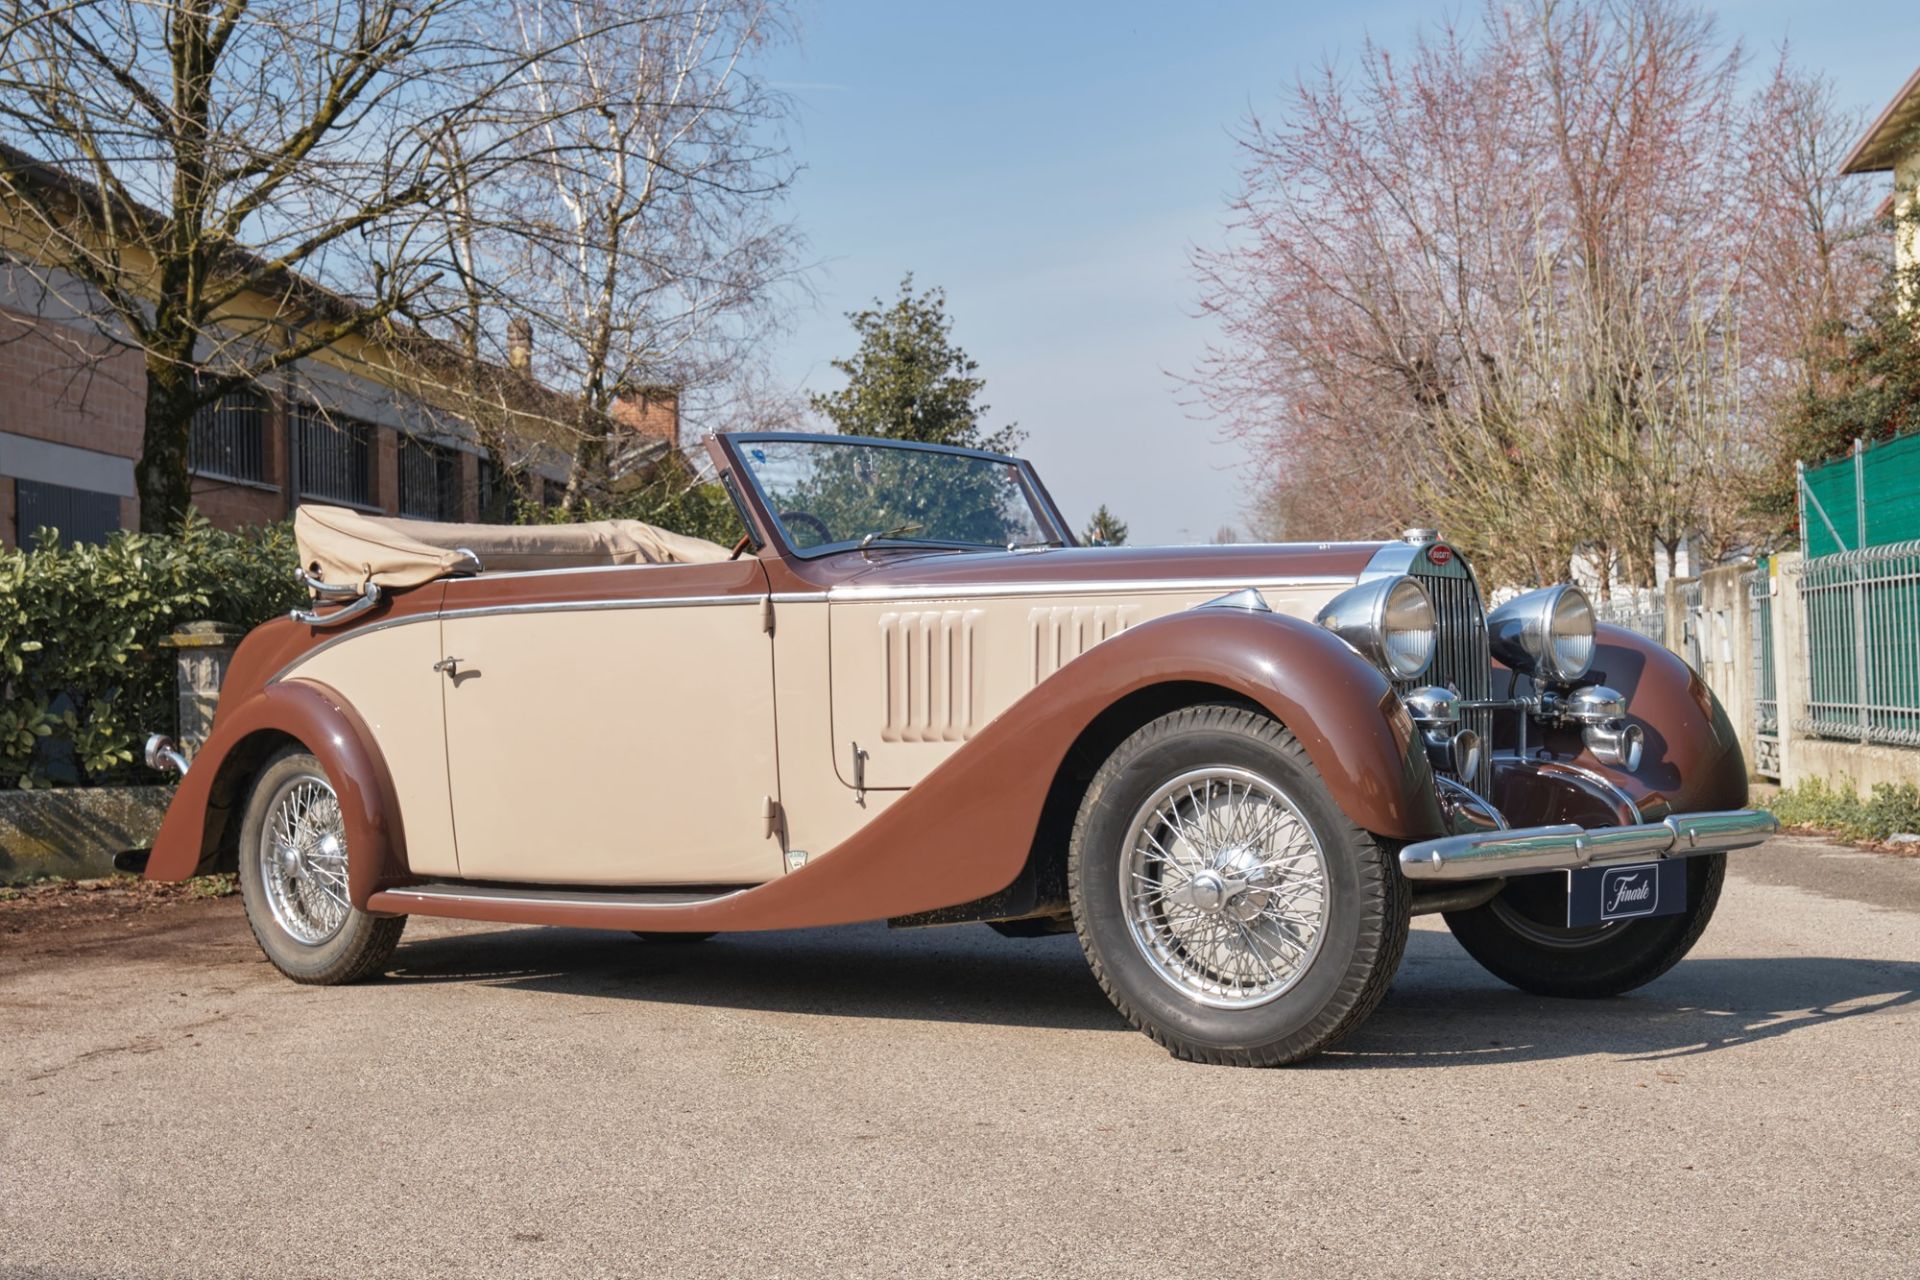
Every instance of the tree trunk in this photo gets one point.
(166, 489)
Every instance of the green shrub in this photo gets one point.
(80, 662)
(1890, 809)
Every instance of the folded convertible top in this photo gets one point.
(348, 548)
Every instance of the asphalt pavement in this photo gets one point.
(854, 1102)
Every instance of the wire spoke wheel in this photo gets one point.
(1224, 887)
(303, 860)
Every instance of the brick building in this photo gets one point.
(355, 425)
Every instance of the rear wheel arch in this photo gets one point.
(233, 781)
(202, 823)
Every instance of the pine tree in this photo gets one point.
(1105, 529)
(908, 381)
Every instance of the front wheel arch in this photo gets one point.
(1040, 890)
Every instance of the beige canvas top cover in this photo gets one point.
(347, 548)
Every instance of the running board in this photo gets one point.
(612, 908)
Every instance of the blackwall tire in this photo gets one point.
(289, 898)
(1514, 939)
(1328, 927)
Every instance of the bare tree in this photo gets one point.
(639, 228)
(171, 163)
(1503, 284)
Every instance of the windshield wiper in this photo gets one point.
(896, 532)
(1041, 545)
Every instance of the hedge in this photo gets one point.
(82, 676)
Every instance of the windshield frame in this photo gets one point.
(734, 443)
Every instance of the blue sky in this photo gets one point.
(1050, 165)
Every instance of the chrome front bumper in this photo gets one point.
(1527, 850)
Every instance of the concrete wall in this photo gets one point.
(1722, 621)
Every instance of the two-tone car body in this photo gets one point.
(907, 695)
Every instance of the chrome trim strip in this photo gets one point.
(540, 606)
(594, 606)
(978, 590)
(1566, 847)
(497, 575)
(614, 896)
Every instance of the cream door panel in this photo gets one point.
(613, 745)
(913, 679)
(387, 675)
(819, 811)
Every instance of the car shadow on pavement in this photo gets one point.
(963, 974)
(1443, 1009)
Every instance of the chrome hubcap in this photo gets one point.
(303, 860)
(1225, 887)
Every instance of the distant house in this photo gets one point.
(1892, 144)
(383, 422)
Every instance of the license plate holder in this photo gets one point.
(1632, 891)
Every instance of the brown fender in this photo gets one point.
(965, 830)
(1692, 762)
(198, 831)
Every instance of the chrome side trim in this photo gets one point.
(1530, 850)
(595, 606)
(543, 606)
(497, 575)
(426, 895)
(1118, 586)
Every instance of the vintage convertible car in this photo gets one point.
(906, 695)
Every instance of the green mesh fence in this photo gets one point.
(1886, 475)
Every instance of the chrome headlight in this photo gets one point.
(1390, 621)
(1546, 633)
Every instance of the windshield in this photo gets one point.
(836, 493)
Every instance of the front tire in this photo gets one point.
(293, 879)
(1520, 937)
(1226, 904)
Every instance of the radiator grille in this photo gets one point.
(1461, 659)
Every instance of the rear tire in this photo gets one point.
(293, 879)
(1514, 937)
(1258, 924)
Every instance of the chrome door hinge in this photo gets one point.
(859, 774)
(766, 614)
(769, 817)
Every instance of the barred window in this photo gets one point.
(335, 456)
(228, 437)
(492, 494)
(429, 481)
(80, 515)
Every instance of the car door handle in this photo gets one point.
(449, 665)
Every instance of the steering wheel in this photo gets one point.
(810, 521)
